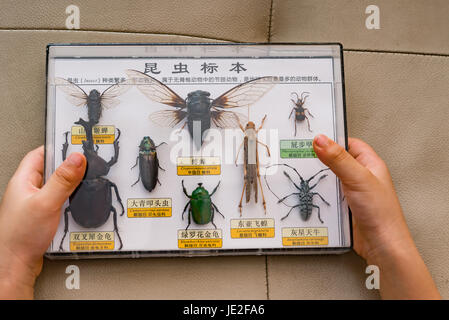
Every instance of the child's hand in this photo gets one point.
(381, 235)
(29, 217)
(377, 215)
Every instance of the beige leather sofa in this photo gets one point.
(397, 87)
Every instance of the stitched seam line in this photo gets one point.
(270, 22)
(429, 54)
(266, 277)
(123, 32)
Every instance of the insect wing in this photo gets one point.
(74, 94)
(109, 103)
(244, 94)
(109, 96)
(228, 119)
(155, 90)
(168, 118)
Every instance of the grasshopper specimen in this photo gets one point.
(251, 162)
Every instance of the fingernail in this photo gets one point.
(75, 159)
(321, 141)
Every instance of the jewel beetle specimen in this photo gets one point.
(91, 203)
(251, 162)
(198, 108)
(304, 194)
(300, 111)
(201, 207)
(148, 164)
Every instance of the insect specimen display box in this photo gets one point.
(197, 149)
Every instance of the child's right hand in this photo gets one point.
(379, 223)
(381, 235)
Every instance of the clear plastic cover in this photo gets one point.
(182, 140)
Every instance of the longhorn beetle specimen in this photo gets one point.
(251, 162)
(202, 209)
(304, 194)
(300, 111)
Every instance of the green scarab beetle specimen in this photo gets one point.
(201, 209)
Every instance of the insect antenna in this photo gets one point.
(269, 188)
(303, 94)
(308, 180)
(297, 97)
(300, 177)
(266, 182)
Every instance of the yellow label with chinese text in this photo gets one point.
(305, 237)
(198, 166)
(149, 208)
(252, 228)
(101, 134)
(194, 239)
(91, 241)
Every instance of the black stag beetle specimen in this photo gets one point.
(300, 111)
(91, 202)
(148, 163)
(305, 194)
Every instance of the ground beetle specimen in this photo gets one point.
(300, 111)
(304, 194)
(148, 164)
(198, 107)
(251, 162)
(202, 209)
(91, 202)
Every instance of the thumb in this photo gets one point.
(345, 167)
(64, 180)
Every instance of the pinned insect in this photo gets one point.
(304, 194)
(148, 164)
(300, 111)
(200, 110)
(91, 202)
(95, 101)
(251, 162)
(202, 209)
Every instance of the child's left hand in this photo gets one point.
(29, 217)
